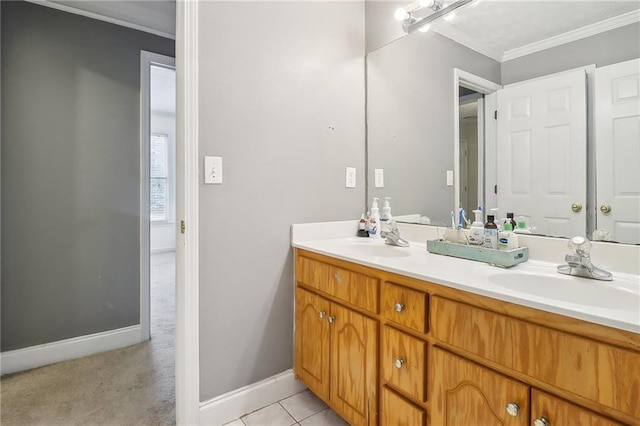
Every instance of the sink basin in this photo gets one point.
(377, 249)
(579, 291)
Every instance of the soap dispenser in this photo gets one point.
(374, 220)
(476, 232)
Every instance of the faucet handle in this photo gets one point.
(580, 245)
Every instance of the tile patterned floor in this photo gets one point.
(304, 409)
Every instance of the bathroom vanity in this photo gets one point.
(398, 336)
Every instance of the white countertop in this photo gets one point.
(534, 283)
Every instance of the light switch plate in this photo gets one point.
(379, 178)
(350, 177)
(449, 177)
(212, 170)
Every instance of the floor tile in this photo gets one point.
(236, 422)
(303, 405)
(273, 415)
(327, 417)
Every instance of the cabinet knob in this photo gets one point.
(605, 208)
(321, 314)
(399, 362)
(399, 307)
(512, 409)
(331, 319)
(541, 421)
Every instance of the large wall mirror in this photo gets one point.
(525, 106)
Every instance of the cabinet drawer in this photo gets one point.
(311, 272)
(405, 306)
(594, 370)
(397, 411)
(403, 362)
(560, 412)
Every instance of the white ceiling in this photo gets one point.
(502, 29)
(153, 16)
(163, 90)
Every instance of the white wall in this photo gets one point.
(282, 101)
(163, 234)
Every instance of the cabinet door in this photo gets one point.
(554, 411)
(312, 342)
(354, 366)
(465, 393)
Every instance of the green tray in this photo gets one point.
(503, 258)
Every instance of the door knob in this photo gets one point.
(541, 421)
(513, 409)
(576, 207)
(605, 208)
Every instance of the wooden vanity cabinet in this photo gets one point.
(428, 354)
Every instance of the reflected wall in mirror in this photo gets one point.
(411, 113)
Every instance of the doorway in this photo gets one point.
(158, 197)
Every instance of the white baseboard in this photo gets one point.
(232, 405)
(63, 350)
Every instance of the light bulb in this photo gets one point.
(449, 16)
(424, 28)
(426, 3)
(401, 14)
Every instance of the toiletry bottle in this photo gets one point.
(494, 212)
(367, 218)
(510, 219)
(490, 233)
(522, 227)
(513, 238)
(374, 220)
(476, 232)
(504, 235)
(385, 217)
(361, 227)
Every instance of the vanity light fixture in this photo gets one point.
(449, 16)
(411, 23)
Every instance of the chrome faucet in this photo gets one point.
(391, 234)
(579, 261)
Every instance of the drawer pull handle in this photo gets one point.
(513, 409)
(399, 362)
(321, 314)
(331, 319)
(541, 421)
(399, 307)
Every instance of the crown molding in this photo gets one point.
(101, 17)
(573, 35)
(466, 40)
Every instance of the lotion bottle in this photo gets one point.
(385, 217)
(476, 232)
(374, 220)
(490, 233)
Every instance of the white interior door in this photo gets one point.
(618, 150)
(542, 152)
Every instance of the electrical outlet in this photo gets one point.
(350, 177)
(212, 170)
(379, 178)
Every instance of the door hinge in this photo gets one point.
(495, 114)
(495, 189)
(182, 226)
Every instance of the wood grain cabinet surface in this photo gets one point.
(381, 348)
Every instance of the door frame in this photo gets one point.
(187, 241)
(146, 60)
(480, 85)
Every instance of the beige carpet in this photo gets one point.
(129, 386)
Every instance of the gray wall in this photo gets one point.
(410, 119)
(620, 44)
(283, 104)
(70, 174)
